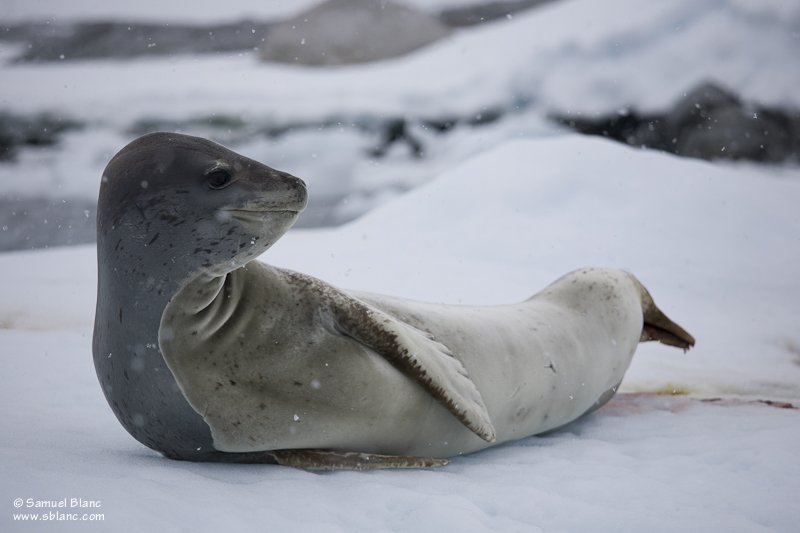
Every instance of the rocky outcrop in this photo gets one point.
(710, 122)
(95, 40)
(339, 32)
(65, 41)
(42, 129)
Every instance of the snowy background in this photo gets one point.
(492, 211)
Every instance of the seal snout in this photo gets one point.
(279, 191)
(298, 198)
(265, 190)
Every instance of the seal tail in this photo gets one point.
(658, 326)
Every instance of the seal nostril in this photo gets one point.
(287, 178)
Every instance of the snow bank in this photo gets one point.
(172, 11)
(572, 55)
(717, 245)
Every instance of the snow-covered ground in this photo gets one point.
(494, 213)
(716, 244)
(568, 55)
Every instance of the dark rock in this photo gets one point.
(708, 123)
(385, 131)
(339, 32)
(377, 37)
(440, 125)
(396, 130)
(42, 129)
(92, 40)
(485, 116)
(711, 123)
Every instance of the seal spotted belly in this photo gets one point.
(222, 357)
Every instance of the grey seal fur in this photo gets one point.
(206, 354)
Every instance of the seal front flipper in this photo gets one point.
(418, 356)
(324, 460)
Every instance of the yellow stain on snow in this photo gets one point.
(672, 390)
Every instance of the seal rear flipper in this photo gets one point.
(658, 326)
(419, 356)
(671, 335)
(324, 460)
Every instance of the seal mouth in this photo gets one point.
(259, 214)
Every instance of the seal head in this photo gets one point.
(198, 192)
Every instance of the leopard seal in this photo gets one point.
(206, 354)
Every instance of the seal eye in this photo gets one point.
(218, 179)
